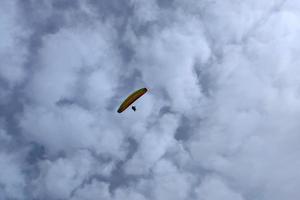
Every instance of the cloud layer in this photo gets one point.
(220, 120)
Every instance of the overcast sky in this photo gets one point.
(220, 120)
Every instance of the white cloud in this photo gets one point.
(169, 56)
(92, 191)
(230, 68)
(12, 180)
(64, 177)
(171, 183)
(146, 11)
(153, 146)
(12, 50)
(67, 57)
(212, 188)
(70, 128)
(79, 64)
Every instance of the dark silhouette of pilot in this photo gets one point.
(133, 108)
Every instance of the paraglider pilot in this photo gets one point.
(133, 108)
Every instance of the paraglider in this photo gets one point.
(132, 98)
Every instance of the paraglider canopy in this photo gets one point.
(132, 98)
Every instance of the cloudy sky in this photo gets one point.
(220, 120)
